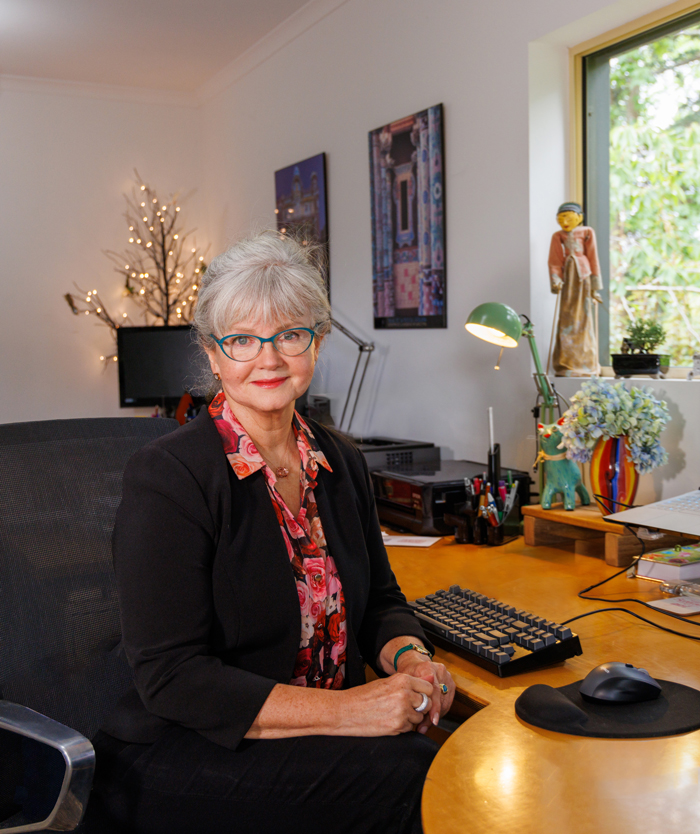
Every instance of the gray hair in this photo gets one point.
(270, 276)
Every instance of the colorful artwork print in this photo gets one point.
(408, 227)
(300, 194)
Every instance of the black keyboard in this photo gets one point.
(493, 634)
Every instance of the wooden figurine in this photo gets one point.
(561, 475)
(574, 274)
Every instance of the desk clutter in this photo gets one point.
(441, 499)
(493, 634)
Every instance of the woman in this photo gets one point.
(254, 586)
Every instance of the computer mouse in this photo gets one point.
(619, 683)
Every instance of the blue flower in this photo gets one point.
(605, 409)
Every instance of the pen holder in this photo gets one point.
(510, 525)
(470, 528)
(494, 466)
(494, 535)
(462, 519)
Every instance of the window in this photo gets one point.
(641, 149)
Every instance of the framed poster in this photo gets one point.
(408, 225)
(300, 194)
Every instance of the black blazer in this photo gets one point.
(210, 613)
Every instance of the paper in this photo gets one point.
(409, 541)
(678, 605)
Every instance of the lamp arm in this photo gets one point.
(544, 386)
(364, 348)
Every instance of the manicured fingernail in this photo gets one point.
(423, 730)
(435, 719)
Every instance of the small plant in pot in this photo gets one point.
(638, 356)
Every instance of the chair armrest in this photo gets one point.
(50, 759)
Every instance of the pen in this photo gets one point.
(468, 490)
(492, 515)
(502, 491)
(510, 500)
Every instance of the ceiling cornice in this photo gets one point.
(287, 31)
(110, 92)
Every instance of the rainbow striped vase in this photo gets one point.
(613, 475)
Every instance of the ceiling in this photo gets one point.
(159, 44)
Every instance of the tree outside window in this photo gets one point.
(652, 195)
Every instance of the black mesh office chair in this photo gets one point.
(61, 668)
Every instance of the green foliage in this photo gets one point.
(655, 190)
(645, 335)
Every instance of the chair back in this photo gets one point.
(60, 486)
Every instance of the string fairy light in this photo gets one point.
(163, 286)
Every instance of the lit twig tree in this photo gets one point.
(160, 267)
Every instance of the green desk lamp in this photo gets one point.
(499, 324)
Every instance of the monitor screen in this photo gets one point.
(157, 365)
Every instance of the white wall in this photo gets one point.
(368, 63)
(501, 71)
(338, 70)
(67, 155)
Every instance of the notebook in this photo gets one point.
(673, 564)
(676, 515)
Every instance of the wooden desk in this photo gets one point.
(497, 774)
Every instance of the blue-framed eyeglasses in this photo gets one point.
(242, 347)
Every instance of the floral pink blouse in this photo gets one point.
(322, 649)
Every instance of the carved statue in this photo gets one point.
(561, 476)
(574, 273)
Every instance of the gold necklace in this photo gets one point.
(280, 471)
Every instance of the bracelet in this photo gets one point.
(408, 648)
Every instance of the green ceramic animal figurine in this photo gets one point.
(560, 474)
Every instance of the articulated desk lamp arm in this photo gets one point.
(365, 349)
(499, 324)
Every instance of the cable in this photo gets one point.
(600, 499)
(639, 617)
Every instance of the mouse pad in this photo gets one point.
(563, 710)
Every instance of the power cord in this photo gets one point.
(600, 499)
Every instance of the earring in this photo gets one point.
(217, 377)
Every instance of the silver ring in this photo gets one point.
(423, 704)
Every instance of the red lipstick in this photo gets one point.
(270, 383)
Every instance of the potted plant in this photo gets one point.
(638, 355)
(617, 430)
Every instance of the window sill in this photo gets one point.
(672, 374)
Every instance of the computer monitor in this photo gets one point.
(157, 365)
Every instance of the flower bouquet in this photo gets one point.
(617, 429)
(604, 409)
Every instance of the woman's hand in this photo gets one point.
(419, 666)
(386, 707)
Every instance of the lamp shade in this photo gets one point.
(496, 323)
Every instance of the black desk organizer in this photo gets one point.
(471, 529)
